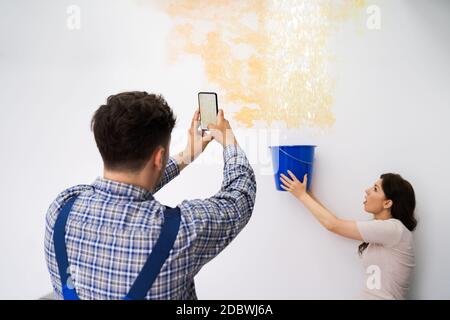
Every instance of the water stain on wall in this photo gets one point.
(269, 57)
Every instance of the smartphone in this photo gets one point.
(207, 102)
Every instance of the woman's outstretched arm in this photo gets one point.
(345, 228)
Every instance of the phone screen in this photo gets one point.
(207, 102)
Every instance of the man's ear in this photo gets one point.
(158, 159)
(388, 204)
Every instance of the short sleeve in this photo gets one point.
(385, 232)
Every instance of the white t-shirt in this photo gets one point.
(388, 260)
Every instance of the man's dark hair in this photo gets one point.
(129, 127)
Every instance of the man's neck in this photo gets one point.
(137, 179)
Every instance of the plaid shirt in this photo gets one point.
(113, 227)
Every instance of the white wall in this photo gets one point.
(392, 107)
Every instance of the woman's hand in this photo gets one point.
(345, 228)
(293, 185)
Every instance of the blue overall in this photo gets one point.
(149, 272)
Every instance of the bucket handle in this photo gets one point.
(305, 162)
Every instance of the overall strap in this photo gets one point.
(68, 290)
(158, 256)
(149, 272)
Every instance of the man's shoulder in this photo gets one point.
(64, 195)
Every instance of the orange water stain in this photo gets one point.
(284, 75)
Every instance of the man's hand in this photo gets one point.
(221, 131)
(197, 142)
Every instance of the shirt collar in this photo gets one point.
(120, 189)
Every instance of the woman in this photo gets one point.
(387, 250)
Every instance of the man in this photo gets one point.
(107, 233)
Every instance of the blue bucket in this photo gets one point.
(298, 159)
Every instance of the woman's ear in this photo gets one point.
(388, 204)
